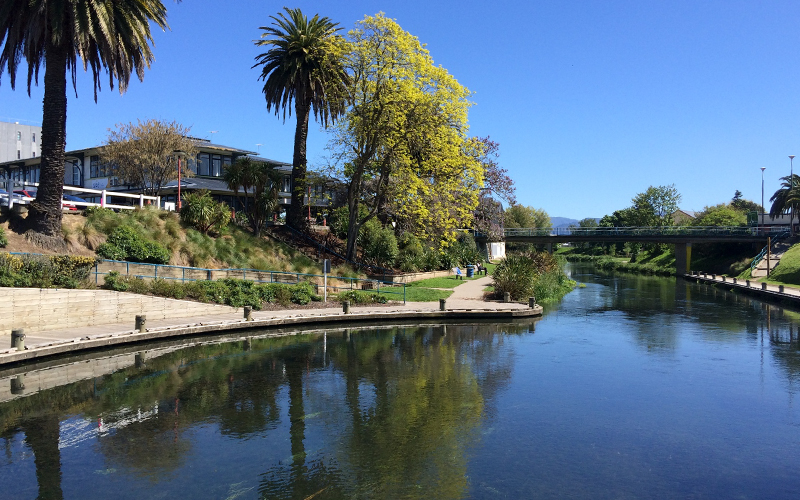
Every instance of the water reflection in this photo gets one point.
(370, 412)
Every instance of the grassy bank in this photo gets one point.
(788, 270)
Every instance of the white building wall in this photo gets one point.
(19, 141)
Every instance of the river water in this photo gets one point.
(632, 387)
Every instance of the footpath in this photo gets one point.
(466, 302)
(763, 290)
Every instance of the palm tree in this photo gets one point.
(787, 198)
(114, 36)
(302, 66)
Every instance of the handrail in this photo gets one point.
(760, 256)
(162, 271)
(649, 231)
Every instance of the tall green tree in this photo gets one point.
(402, 144)
(302, 67)
(521, 216)
(114, 36)
(786, 198)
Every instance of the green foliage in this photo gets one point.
(380, 245)
(3, 238)
(655, 206)
(462, 253)
(125, 243)
(521, 216)
(229, 291)
(410, 253)
(359, 297)
(97, 212)
(535, 274)
(720, 215)
(203, 213)
(44, 271)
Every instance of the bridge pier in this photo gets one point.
(550, 248)
(683, 258)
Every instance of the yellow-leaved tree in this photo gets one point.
(402, 143)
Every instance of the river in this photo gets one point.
(631, 387)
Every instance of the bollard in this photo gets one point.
(18, 339)
(442, 304)
(713, 276)
(248, 313)
(735, 281)
(724, 278)
(141, 323)
(18, 384)
(780, 288)
(763, 286)
(748, 283)
(507, 297)
(531, 302)
(346, 307)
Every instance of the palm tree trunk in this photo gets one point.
(45, 211)
(295, 217)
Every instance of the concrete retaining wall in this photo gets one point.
(42, 309)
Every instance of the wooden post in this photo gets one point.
(18, 337)
(248, 313)
(442, 304)
(531, 302)
(141, 323)
(769, 251)
(346, 307)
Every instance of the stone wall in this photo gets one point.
(42, 309)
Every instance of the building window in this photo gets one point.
(19, 154)
(19, 136)
(33, 137)
(34, 154)
(287, 184)
(203, 164)
(216, 165)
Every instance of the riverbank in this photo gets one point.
(466, 303)
(765, 291)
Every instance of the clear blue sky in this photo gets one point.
(591, 101)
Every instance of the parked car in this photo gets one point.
(70, 206)
(30, 193)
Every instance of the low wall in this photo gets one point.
(42, 309)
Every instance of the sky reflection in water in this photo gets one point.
(631, 387)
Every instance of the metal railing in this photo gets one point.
(764, 251)
(186, 273)
(715, 231)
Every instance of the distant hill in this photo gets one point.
(566, 222)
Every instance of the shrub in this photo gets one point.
(515, 275)
(362, 298)
(41, 271)
(98, 212)
(125, 243)
(203, 213)
(380, 246)
(3, 238)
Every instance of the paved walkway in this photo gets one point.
(466, 301)
(783, 292)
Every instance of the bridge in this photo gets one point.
(681, 236)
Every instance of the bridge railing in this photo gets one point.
(649, 231)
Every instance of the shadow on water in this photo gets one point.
(395, 406)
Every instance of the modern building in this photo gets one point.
(19, 142)
(84, 168)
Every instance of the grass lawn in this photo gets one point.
(417, 294)
(788, 271)
(443, 282)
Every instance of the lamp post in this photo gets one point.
(180, 154)
(762, 194)
(791, 185)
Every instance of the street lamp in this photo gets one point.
(180, 154)
(762, 194)
(791, 185)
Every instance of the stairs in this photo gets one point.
(778, 249)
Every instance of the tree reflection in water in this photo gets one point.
(408, 410)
